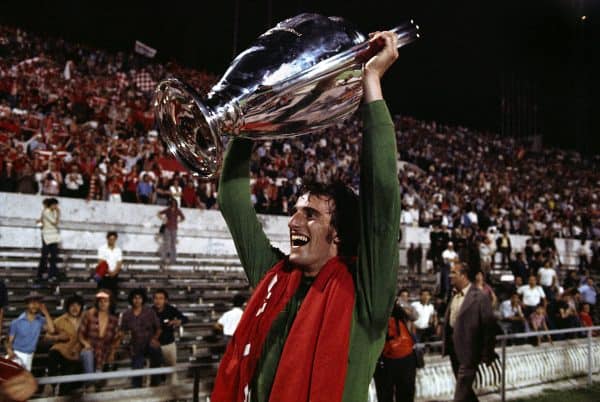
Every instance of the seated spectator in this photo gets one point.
(585, 317)
(25, 330)
(567, 315)
(64, 355)
(571, 281)
(170, 319)
(145, 190)
(512, 314)
(537, 322)
(99, 334)
(532, 294)
(141, 324)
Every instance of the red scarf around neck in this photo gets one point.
(314, 359)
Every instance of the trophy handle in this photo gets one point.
(188, 127)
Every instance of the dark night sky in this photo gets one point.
(472, 52)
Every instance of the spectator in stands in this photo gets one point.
(64, 355)
(503, 246)
(163, 191)
(49, 220)
(26, 329)
(567, 315)
(396, 371)
(73, 182)
(537, 322)
(51, 180)
(449, 256)
(176, 190)
(145, 190)
(426, 323)
(17, 384)
(189, 197)
(482, 284)
(532, 295)
(99, 333)
(26, 182)
(512, 315)
(585, 318)
(583, 255)
(571, 281)
(469, 332)
(229, 321)
(113, 257)
(170, 319)
(144, 329)
(589, 293)
(324, 229)
(414, 256)
(486, 255)
(519, 267)
(546, 278)
(172, 216)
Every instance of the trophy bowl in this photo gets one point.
(300, 76)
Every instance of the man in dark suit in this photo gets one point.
(469, 331)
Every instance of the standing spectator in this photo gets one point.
(51, 180)
(426, 323)
(170, 319)
(230, 319)
(190, 197)
(482, 284)
(25, 330)
(414, 256)
(163, 191)
(396, 371)
(583, 255)
(571, 281)
(532, 295)
(141, 322)
(486, 255)
(64, 355)
(449, 256)
(73, 182)
(469, 332)
(176, 191)
(113, 257)
(26, 182)
(145, 190)
(50, 238)
(99, 333)
(519, 267)
(503, 246)
(96, 186)
(546, 278)
(589, 293)
(173, 216)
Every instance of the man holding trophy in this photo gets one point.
(316, 322)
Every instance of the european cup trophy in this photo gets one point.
(300, 76)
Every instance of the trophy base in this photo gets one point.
(187, 128)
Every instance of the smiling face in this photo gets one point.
(313, 240)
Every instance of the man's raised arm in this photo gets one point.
(379, 195)
(253, 247)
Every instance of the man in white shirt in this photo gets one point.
(449, 256)
(547, 277)
(532, 295)
(427, 319)
(512, 314)
(230, 319)
(113, 256)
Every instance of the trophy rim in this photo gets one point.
(202, 161)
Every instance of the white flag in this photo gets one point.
(144, 50)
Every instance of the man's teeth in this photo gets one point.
(299, 240)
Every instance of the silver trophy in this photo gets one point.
(300, 76)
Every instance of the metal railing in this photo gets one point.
(522, 335)
(130, 373)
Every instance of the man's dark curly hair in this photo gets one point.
(137, 292)
(344, 212)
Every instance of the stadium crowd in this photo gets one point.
(78, 122)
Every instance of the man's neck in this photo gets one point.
(137, 310)
(30, 316)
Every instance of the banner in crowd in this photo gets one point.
(144, 50)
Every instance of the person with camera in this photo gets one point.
(397, 368)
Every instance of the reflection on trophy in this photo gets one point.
(300, 76)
